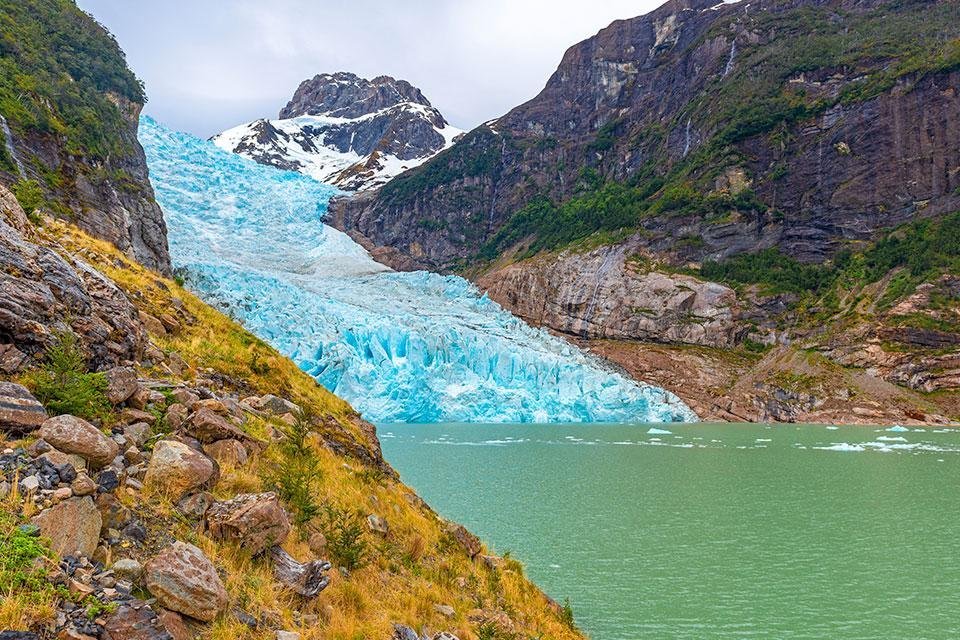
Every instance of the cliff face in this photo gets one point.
(347, 131)
(820, 111)
(70, 112)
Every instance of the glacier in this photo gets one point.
(400, 347)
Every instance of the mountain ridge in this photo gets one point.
(347, 131)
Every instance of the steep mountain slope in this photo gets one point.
(346, 131)
(70, 109)
(714, 175)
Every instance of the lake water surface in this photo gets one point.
(711, 531)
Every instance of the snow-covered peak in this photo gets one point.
(347, 131)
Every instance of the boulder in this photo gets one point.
(174, 624)
(186, 397)
(277, 405)
(12, 360)
(182, 579)
(255, 520)
(208, 426)
(195, 505)
(175, 468)
(70, 434)
(20, 412)
(152, 324)
(127, 568)
(378, 524)
(228, 451)
(121, 384)
(73, 526)
(83, 485)
(176, 415)
(138, 433)
(467, 541)
(113, 514)
(134, 621)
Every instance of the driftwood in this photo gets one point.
(307, 578)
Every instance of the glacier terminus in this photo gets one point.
(401, 347)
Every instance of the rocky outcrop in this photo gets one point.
(183, 579)
(347, 131)
(604, 294)
(43, 292)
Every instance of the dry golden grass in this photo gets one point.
(416, 566)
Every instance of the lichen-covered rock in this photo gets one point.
(20, 412)
(208, 426)
(135, 621)
(73, 526)
(121, 384)
(70, 434)
(255, 520)
(228, 451)
(182, 579)
(176, 468)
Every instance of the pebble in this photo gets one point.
(29, 484)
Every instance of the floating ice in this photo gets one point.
(659, 432)
(898, 428)
(401, 347)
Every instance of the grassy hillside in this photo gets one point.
(330, 476)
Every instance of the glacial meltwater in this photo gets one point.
(711, 531)
(405, 347)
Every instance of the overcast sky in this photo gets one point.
(212, 64)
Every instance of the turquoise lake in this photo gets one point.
(711, 531)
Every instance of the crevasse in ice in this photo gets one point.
(400, 347)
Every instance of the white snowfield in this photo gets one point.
(306, 149)
(401, 347)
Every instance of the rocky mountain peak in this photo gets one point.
(347, 131)
(346, 95)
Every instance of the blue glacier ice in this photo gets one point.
(400, 347)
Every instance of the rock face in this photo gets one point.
(182, 579)
(347, 131)
(99, 168)
(646, 95)
(175, 468)
(70, 434)
(20, 413)
(255, 520)
(73, 526)
(43, 292)
(602, 294)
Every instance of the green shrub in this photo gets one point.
(30, 196)
(65, 386)
(566, 615)
(345, 531)
(297, 473)
(22, 573)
